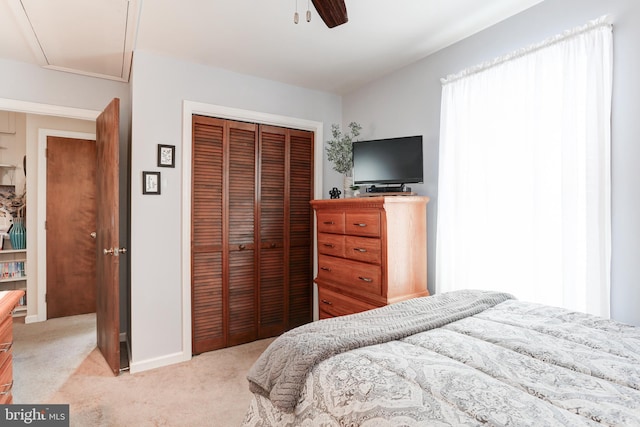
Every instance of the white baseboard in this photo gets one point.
(32, 319)
(158, 362)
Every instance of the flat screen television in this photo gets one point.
(395, 161)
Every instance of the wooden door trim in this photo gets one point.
(43, 134)
(189, 109)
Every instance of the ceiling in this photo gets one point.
(255, 37)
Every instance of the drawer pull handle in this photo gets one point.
(324, 301)
(7, 388)
(5, 347)
(360, 250)
(366, 279)
(329, 245)
(359, 224)
(325, 268)
(329, 222)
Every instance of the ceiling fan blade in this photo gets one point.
(332, 12)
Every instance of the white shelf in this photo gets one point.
(13, 251)
(18, 283)
(13, 279)
(20, 311)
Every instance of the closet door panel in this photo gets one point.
(273, 231)
(208, 327)
(242, 304)
(241, 272)
(208, 309)
(301, 228)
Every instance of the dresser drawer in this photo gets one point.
(331, 222)
(331, 304)
(6, 343)
(6, 330)
(6, 379)
(5, 352)
(365, 249)
(352, 276)
(362, 223)
(331, 244)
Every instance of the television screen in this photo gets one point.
(388, 161)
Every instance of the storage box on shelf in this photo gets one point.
(371, 252)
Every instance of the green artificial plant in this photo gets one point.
(339, 148)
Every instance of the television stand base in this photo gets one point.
(389, 189)
(390, 193)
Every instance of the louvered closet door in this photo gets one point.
(251, 231)
(208, 307)
(242, 273)
(285, 223)
(300, 171)
(273, 231)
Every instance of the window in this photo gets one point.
(524, 197)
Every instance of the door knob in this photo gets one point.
(114, 251)
(93, 234)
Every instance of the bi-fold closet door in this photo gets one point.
(251, 250)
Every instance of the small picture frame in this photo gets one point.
(166, 156)
(150, 182)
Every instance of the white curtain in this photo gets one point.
(524, 190)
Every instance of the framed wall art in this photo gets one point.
(150, 182)
(166, 156)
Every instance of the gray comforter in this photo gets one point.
(509, 363)
(280, 371)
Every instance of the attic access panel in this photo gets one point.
(86, 37)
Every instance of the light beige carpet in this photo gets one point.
(45, 354)
(209, 390)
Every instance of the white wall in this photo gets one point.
(159, 86)
(408, 102)
(31, 83)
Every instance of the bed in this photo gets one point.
(463, 358)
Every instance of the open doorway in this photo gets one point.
(34, 348)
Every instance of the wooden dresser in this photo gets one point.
(8, 301)
(372, 251)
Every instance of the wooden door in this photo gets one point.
(273, 282)
(286, 229)
(71, 218)
(108, 221)
(240, 221)
(223, 233)
(208, 308)
(300, 175)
